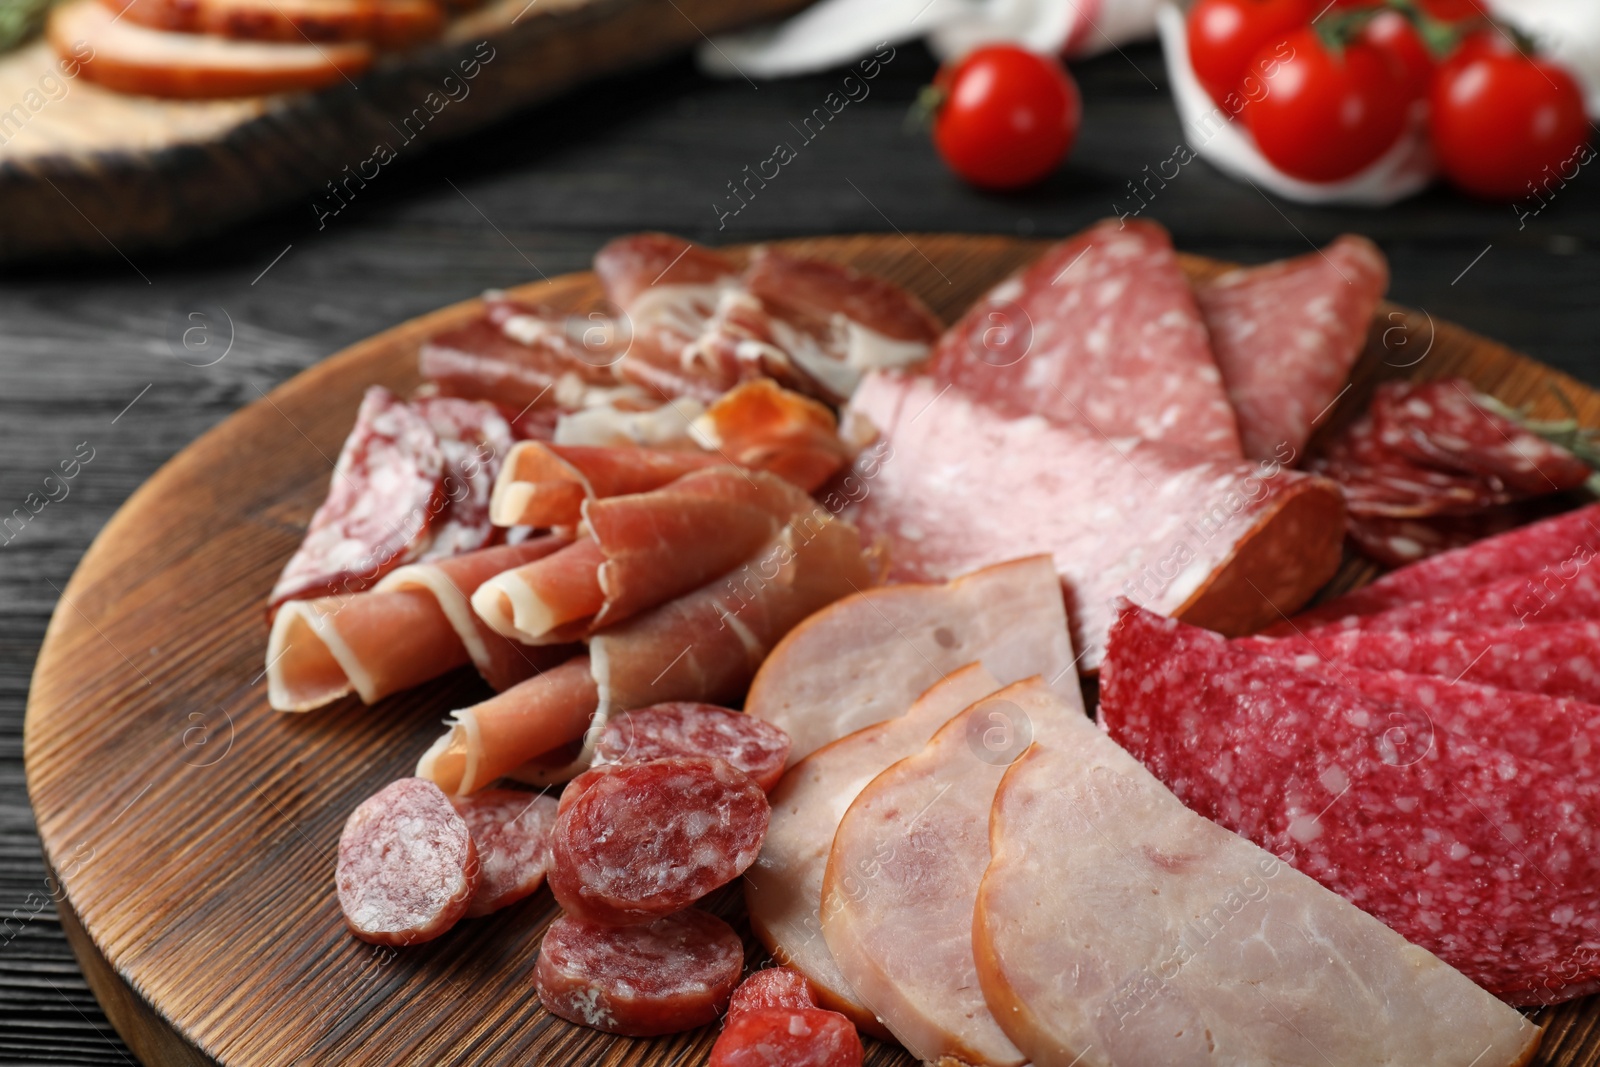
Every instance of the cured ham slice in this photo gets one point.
(518, 355)
(902, 881)
(816, 326)
(764, 427)
(641, 550)
(1554, 548)
(383, 495)
(783, 888)
(866, 658)
(545, 485)
(611, 426)
(1102, 330)
(1115, 926)
(414, 627)
(385, 23)
(668, 290)
(490, 740)
(129, 58)
(474, 438)
(1285, 336)
(1222, 543)
(1487, 859)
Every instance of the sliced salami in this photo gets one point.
(1490, 861)
(1379, 482)
(474, 439)
(1559, 544)
(772, 987)
(1102, 330)
(380, 502)
(1560, 659)
(407, 865)
(790, 1037)
(511, 832)
(1285, 336)
(1398, 542)
(515, 355)
(954, 486)
(675, 973)
(757, 748)
(1450, 425)
(649, 839)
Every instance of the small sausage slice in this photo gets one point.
(787, 1037)
(642, 840)
(511, 831)
(673, 974)
(757, 748)
(772, 987)
(407, 865)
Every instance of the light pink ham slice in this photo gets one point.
(414, 627)
(903, 878)
(641, 550)
(954, 486)
(1285, 336)
(1102, 330)
(783, 888)
(865, 659)
(1115, 926)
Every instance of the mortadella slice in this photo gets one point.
(1102, 331)
(1220, 542)
(865, 659)
(902, 881)
(783, 888)
(1114, 926)
(1285, 336)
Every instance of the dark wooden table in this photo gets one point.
(93, 355)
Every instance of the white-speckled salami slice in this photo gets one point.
(1488, 860)
(755, 747)
(511, 832)
(474, 439)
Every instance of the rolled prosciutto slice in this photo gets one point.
(417, 625)
(765, 427)
(641, 550)
(1285, 336)
(1102, 330)
(955, 485)
(545, 484)
(1188, 943)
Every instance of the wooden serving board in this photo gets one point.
(195, 830)
(85, 172)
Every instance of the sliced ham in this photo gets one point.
(129, 58)
(765, 427)
(1223, 543)
(641, 550)
(1285, 336)
(543, 484)
(865, 659)
(902, 881)
(1115, 926)
(385, 23)
(490, 740)
(414, 627)
(783, 888)
(815, 326)
(1102, 330)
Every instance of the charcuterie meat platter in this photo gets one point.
(195, 831)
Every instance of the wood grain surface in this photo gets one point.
(92, 172)
(194, 830)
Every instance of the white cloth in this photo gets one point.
(1566, 30)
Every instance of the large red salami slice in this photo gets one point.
(1560, 543)
(673, 974)
(1450, 425)
(1285, 336)
(474, 439)
(1557, 658)
(381, 501)
(754, 746)
(792, 1037)
(955, 486)
(1489, 861)
(1102, 330)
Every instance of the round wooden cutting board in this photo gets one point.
(195, 830)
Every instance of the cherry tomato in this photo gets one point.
(1393, 34)
(1455, 10)
(1225, 35)
(1009, 116)
(1324, 117)
(1504, 123)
